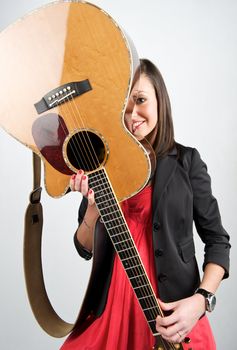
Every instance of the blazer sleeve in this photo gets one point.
(82, 251)
(207, 216)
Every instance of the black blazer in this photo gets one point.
(181, 195)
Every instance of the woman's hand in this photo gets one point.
(79, 183)
(185, 313)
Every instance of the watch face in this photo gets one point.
(211, 302)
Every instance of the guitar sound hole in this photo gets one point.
(86, 150)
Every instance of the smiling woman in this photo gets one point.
(149, 107)
(160, 219)
(141, 113)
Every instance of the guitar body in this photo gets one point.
(66, 72)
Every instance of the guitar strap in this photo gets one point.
(41, 306)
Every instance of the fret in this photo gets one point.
(117, 234)
(156, 334)
(133, 267)
(150, 308)
(144, 285)
(96, 175)
(109, 214)
(125, 240)
(106, 198)
(141, 292)
(102, 195)
(138, 276)
(152, 320)
(124, 250)
(99, 185)
(95, 183)
(114, 227)
(110, 225)
(144, 304)
(120, 225)
(138, 284)
(123, 255)
(107, 201)
(122, 237)
(109, 206)
(146, 296)
(132, 257)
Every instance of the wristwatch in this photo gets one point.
(210, 299)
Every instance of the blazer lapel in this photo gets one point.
(164, 171)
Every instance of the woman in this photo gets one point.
(160, 219)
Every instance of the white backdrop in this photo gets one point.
(193, 42)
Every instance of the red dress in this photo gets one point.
(122, 326)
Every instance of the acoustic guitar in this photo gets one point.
(66, 72)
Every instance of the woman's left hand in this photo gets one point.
(185, 313)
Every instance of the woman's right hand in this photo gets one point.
(79, 183)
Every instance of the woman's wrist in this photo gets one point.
(83, 251)
(200, 300)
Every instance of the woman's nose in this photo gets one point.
(135, 112)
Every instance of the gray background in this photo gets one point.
(194, 45)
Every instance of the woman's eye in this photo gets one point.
(140, 100)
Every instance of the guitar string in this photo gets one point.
(80, 141)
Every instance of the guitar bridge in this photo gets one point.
(62, 94)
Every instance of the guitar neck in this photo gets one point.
(124, 245)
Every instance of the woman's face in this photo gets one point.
(141, 114)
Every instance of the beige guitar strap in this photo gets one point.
(41, 306)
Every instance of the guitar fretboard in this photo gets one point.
(122, 240)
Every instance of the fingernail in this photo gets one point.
(73, 176)
(90, 191)
(83, 177)
(79, 172)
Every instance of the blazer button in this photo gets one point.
(158, 252)
(156, 226)
(162, 277)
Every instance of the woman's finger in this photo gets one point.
(91, 197)
(72, 182)
(78, 180)
(84, 185)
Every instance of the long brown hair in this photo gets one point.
(164, 138)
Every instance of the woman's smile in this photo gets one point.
(136, 125)
(141, 114)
